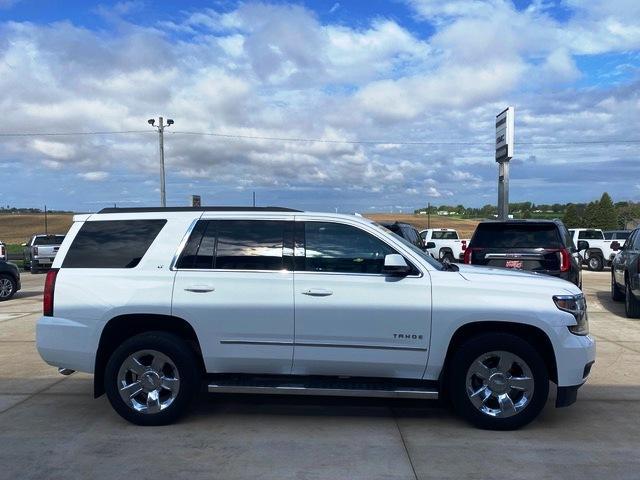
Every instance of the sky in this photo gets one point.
(402, 95)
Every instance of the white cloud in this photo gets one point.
(97, 176)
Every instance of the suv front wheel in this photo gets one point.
(498, 381)
(152, 378)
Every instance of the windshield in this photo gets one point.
(421, 253)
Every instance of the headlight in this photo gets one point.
(576, 306)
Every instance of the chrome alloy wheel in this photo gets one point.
(148, 381)
(499, 384)
(6, 288)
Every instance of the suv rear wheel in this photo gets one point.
(616, 294)
(152, 378)
(7, 287)
(631, 303)
(498, 381)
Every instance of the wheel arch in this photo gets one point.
(122, 327)
(530, 333)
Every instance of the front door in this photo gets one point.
(351, 318)
(234, 285)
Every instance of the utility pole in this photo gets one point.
(161, 126)
(254, 199)
(428, 214)
(46, 225)
(505, 126)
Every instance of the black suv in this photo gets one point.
(543, 246)
(406, 231)
(625, 271)
(9, 280)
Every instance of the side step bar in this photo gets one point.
(334, 389)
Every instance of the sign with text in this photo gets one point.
(505, 124)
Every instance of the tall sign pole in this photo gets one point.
(161, 126)
(505, 124)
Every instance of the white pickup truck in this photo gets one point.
(3, 251)
(444, 244)
(599, 253)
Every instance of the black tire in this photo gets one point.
(447, 257)
(595, 263)
(185, 362)
(469, 352)
(33, 267)
(631, 303)
(8, 287)
(617, 294)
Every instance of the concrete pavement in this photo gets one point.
(51, 427)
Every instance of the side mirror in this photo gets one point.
(615, 246)
(395, 264)
(582, 245)
(430, 245)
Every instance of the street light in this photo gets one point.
(161, 127)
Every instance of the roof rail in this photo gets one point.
(196, 209)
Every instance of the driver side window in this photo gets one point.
(334, 247)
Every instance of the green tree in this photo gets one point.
(571, 217)
(591, 217)
(607, 215)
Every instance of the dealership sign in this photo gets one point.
(504, 135)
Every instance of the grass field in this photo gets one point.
(465, 227)
(16, 229)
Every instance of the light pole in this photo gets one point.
(161, 126)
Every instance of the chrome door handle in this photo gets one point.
(317, 292)
(199, 289)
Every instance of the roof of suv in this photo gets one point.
(197, 209)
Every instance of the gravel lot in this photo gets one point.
(51, 427)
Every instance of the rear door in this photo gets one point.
(521, 246)
(234, 283)
(351, 318)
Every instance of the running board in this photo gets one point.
(336, 388)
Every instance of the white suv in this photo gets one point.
(158, 302)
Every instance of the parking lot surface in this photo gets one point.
(51, 427)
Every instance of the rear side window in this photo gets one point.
(112, 244)
(50, 240)
(517, 235)
(237, 245)
(413, 236)
(590, 235)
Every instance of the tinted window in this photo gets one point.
(636, 240)
(608, 235)
(235, 245)
(333, 247)
(444, 235)
(590, 235)
(112, 244)
(622, 235)
(412, 235)
(50, 240)
(516, 235)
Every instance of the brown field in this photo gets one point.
(465, 227)
(18, 228)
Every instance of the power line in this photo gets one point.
(322, 140)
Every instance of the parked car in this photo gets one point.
(619, 235)
(270, 300)
(598, 253)
(3, 251)
(406, 231)
(9, 280)
(541, 246)
(444, 244)
(40, 251)
(625, 275)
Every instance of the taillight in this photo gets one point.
(49, 288)
(467, 255)
(2, 251)
(35, 250)
(565, 260)
(464, 245)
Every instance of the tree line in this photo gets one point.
(602, 213)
